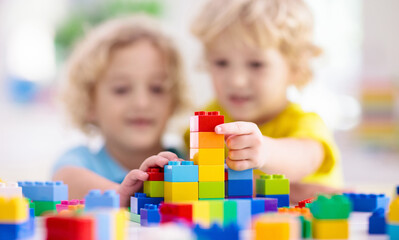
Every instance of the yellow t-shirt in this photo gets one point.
(294, 122)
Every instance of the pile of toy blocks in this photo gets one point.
(274, 186)
(16, 220)
(330, 217)
(72, 205)
(45, 195)
(393, 218)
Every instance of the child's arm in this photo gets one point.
(248, 148)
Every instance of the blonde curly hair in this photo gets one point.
(284, 24)
(91, 58)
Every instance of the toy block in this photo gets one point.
(14, 231)
(210, 190)
(303, 203)
(205, 121)
(94, 199)
(393, 213)
(239, 188)
(69, 227)
(206, 140)
(271, 204)
(239, 197)
(272, 185)
(229, 212)
(336, 207)
(207, 156)
(201, 213)
(184, 171)
(65, 204)
(154, 188)
(367, 202)
(377, 223)
(155, 174)
(257, 206)
(330, 229)
(393, 231)
(176, 212)
(109, 223)
(139, 200)
(230, 232)
(210, 173)
(240, 175)
(180, 191)
(307, 229)
(150, 215)
(133, 217)
(243, 213)
(45, 191)
(276, 227)
(10, 189)
(13, 210)
(283, 200)
(216, 211)
(43, 207)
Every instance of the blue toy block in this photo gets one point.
(283, 200)
(93, 200)
(258, 205)
(231, 232)
(393, 231)
(140, 199)
(368, 202)
(240, 175)
(45, 191)
(243, 213)
(16, 231)
(239, 188)
(184, 171)
(377, 224)
(103, 223)
(150, 215)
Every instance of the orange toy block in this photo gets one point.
(206, 140)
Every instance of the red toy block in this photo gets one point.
(226, 175)
(155, 174)
(174, 212)
(205, 121)
(70, 227)
(303, 203)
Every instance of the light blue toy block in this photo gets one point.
(240, 175)
(139, 200)
(103, 225)
(45, 191)
(244, 213)
(393, 231)
(184, 171)
(93, 200)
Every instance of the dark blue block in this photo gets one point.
(257, 205)
(15, 231)
(231, 232)
(368, 202)
(377, 224)
(283, 200)
(150, 215)
(239, 188)
(140, 199)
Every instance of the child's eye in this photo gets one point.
(121, 90)
(221, 63)
(157, 89)
(256, 64)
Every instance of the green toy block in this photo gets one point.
(216, 211)
(154, 188)
(211, 189)
(229, 212)
(336, 207)
(42, 207)
(272, 185)
(306, 227)
(133, 217)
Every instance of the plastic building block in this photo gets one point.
(210, 173)
(229, 212)
(64, 205)
(15, 231)
(109, 223)
(367, 202)
(239, 187)
(276, 227)
(238, 175)
(216, 212)
(205, 121)
(377, 223)
(65, 228)
(133, 217)
(208, 190)
(283, 200)
(243, 213)
(154, 188)
(336, 207)
(10, 189)
(297, 211)
(393, 231)
(306, 224)
(201, 213)
(180, 191)
(330, 229)
(230, 232)
(207, 156)
(206, 140)
(303, 203)
(271, 204)
(45, 191)
(13, 210)
(176, 212)
(139, 200)
(272, 185)
(93, 200)
(150, 215)
(184, 171)
(155, 174)
(42, 207)
(257, 206)
(393, 213)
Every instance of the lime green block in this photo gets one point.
(211, 189)
(134, 217)
(42, 207)
(154, 188)
(216, 211)
(229, 212)
(272, 185)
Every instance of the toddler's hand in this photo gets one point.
(245, 143)
(133, 181)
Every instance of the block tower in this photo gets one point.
(207, 151)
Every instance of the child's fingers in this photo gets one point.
(236, 128)
(239, 165)
(133, 176)
(169, 155)
(154, 161)
(236, 142)
(242, 154)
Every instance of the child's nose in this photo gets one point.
(239, 79)
(141, 99)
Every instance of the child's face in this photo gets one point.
(133, 100)
(250, 83)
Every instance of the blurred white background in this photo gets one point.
(360, 42)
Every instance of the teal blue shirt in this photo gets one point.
(100, 163)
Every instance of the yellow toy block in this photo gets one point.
(120, 224)
(201, 213)
(206, 140)
(393, 213)
(330, 229)
(276, 227)
(180, 191)
(211, 173)
(13, 210)
(207, 156)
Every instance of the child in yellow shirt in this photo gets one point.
(254, 50)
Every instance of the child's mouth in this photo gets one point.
(239, 100)
(140, 122)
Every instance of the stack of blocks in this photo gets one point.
(393, 219)
(45, 195)
(331, 217)
(207, 151)
(274, 186)
(154, 186)
(15, 220)
(138, 202)
(181, 181)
